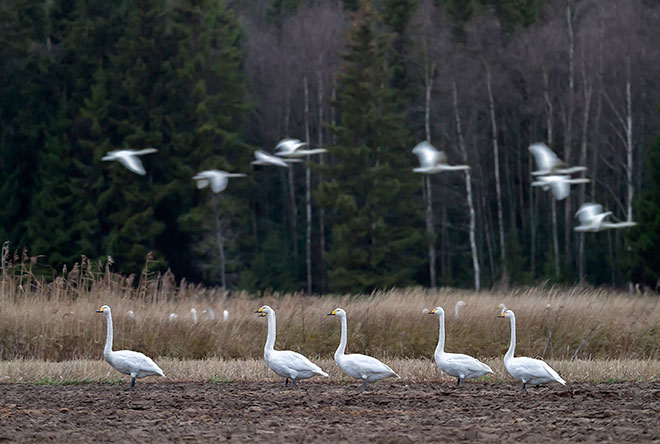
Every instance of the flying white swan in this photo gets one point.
(263, 158)
(225, 315)
(526, 370)
(432, 161)
(593, 218)
(502, 308)
(126, 361)
(210, 313)
(457, 308)
(356, 365)
(454, 364)
(194, 315)
(291, 148)
(286, 363)
(548, 162)
(129, 158)
(218, 179)
(561, 185)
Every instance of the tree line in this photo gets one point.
(208, 82)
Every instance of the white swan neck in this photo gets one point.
(108, 339)
(440, 348)
(270, 341)
(512, 344)
(342, 343)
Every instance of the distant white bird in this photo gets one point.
(291, 148)
(129, 158)
(225, 315)
(457, 307)
(356, 365)
(548, 162)
(526, 370)
(131, 314)
(561, 185)
(218, 179)
(432, 161)
(263, 158)
(210, 313)
(425, 310)
(593, 218)
(194, 315)
(172, 317)
(502, 308)
(126, 361)
(454, 364)
(286, 363)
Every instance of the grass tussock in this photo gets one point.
(54, 319)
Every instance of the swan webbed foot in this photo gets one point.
(364, 385)
(132, 381)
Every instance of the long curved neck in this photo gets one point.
(440, 348)
(342, 343)
(108, 339)
(512, 344)
(270, 341)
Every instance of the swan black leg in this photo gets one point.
(364, 385)
(524, 385)
(286, 382)
(459, 382)
(132, 381)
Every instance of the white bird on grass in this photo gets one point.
(131, 314)
(126, 361)
(593, 218)
(454, 364)
(225, 315)
(561, 185)
(432, 161)
(194, 315)
(457, 307)
(129, 158)
(286, 363)
(355, 365)
(548, 162)
(263, 158)
(217, 179)
(172, 317)
(210, 313)
(526, 370)
(291, 148)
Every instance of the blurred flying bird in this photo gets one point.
(218, 179)
(561, 185)
(432, 161)
(263, 158)
(593, 218)
(548, 162)
(129, 158)
(291, 148)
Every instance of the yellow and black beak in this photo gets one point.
(501, 315)
(260, 311)
(332, 313)
(432, 312)
(100, 310)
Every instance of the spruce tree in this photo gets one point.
(376, 233)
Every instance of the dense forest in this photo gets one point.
(207, 82)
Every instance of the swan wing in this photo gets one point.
(264, 157)
(532, 370)
(460, 365)
(365, 367)
(131, 162)
(132, 362)
(561, 189)
(426, 153)
(219, 182)
(292, 364)
(545, 158)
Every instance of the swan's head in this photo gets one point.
(193, 311)
(437, 311)
(507, 314)
(502, 308)
(461, 304)
(337, 312)
(265, 311)
(104, 309)
(425, 311)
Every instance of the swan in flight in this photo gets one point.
(457, 307)
(527, 370)
(263, 158)
(225, 315)
(218, 179)
(286, 363)
(291, 148)
(129, 158)
(548, 162)
(126, 361)
(560, 184)
(454, 364)
(432, 161)
(210, 313)
(356, 365)
(593, 218)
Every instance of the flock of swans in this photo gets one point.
(294, 366)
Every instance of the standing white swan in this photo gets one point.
(454, 364)
(210, 313)
(129, 158)
(526, 370)
(286, 363)
(356, 365)
(127, 362)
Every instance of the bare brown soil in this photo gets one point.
(329, 412)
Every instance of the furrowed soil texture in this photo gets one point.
(327, 412)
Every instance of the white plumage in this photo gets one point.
(193, 312)
(292, 148)
(548, 162)
(263, 158)
(502, 308)
(560, 184)
(129, 158)
(593, 218)
(355, 365)
(432, 161)
(217, 179)
(457, 308)
(172, 317)
(225, 315)
(459, 366)
(286, 363)
(127, 362)
(527, 370)
(210, 313)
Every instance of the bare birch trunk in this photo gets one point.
(498, 188)
(583, 160)
(553, 207)
(321, 162)
(220, 241)
(629, 143)
(308, 195)
(292, 191)
(428, 195)
(568, 135)
(468, 189)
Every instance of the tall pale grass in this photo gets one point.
(54, 319)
